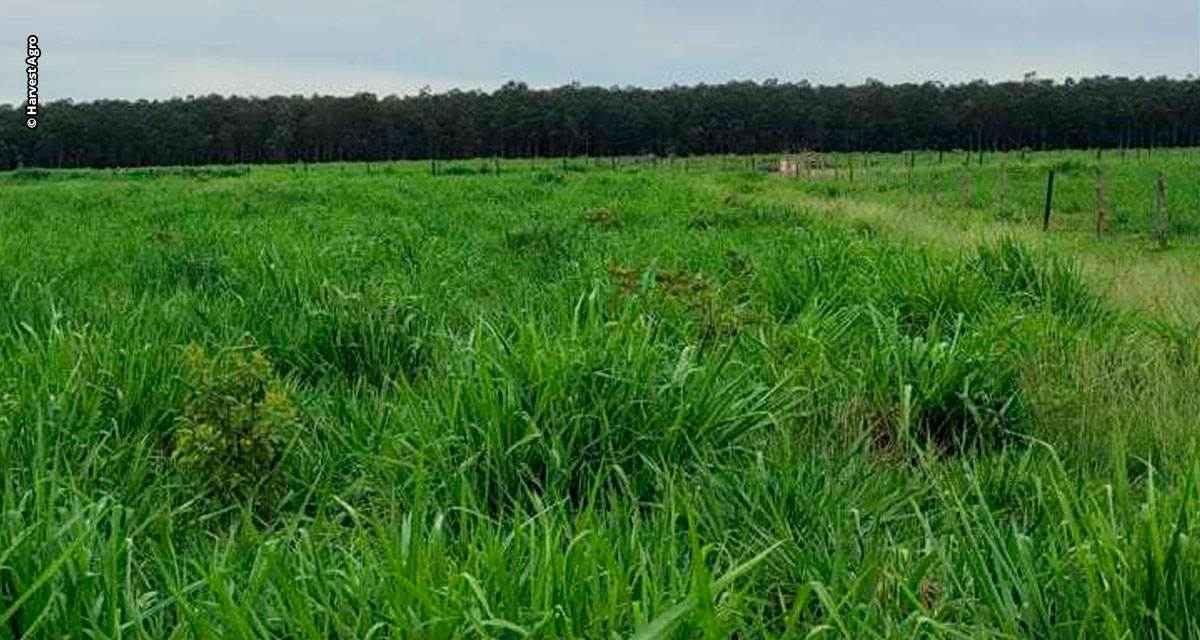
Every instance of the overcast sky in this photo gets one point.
(159, 49)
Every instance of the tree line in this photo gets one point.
(516, 120)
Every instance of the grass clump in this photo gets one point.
(601, 407)
(1009, 269)
(171, 261)
(957, 392)
(928, 293)
(371, 338)
(544, 247)
(356, 341)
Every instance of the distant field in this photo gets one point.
(591, 398)
(1012, 186)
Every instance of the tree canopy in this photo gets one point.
(516, 120)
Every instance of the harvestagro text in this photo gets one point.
(31, 63)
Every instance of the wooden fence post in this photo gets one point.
(1162, 221)
(1002, 183)
(1102, 206)
(1049, 201)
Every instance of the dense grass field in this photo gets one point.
(585, 399)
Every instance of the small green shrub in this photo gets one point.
(235, 419)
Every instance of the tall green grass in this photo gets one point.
(506, 420)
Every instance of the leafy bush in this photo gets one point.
(235, 420)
